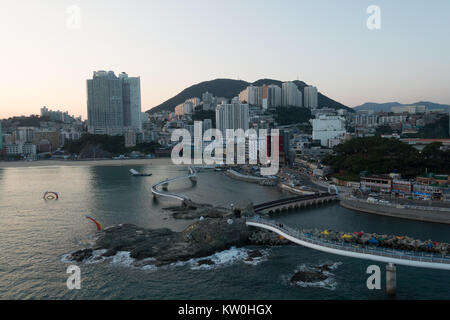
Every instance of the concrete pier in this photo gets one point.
(165, 186)
(391, 279)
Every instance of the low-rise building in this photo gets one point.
(379, 184)
(401, 187)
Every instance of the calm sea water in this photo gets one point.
(35, 235)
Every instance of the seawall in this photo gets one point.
(252, 179)
(438, 216)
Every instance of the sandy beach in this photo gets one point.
(58, 163)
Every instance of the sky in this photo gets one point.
(46, 55)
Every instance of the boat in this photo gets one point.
(135, 173)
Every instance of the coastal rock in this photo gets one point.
(193, 210)
(206, 262)
(308, 276)
(244, 208)
(324, 267)
(81, 255)
(255, 254)
(201, 239)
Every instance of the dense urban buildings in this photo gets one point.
(58, 115)
(184, 108)
(272, 96)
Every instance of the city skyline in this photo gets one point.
(404, 61)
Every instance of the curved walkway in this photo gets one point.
(192, 174)
(407, 258)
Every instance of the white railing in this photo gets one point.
(192, 173)
(378, 251)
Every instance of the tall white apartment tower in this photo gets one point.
(311, 100)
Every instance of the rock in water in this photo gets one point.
(81, 255)
(308, 276)
(201, 239)
(255, 254)
(205, 261)
(324, 267)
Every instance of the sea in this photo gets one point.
(37, 235)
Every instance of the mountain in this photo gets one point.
(386, 107)
(230, 88)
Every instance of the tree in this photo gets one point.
(380, 156)
(292, 115)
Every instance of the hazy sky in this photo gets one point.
(174, 44)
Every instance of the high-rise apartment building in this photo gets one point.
(251, 95)
(114, 103)
(209, 102)
(184, 108)
(271, 96)
(131, 92)
(232, 116)
(311, 99)
(290, 95)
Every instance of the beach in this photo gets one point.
(72, 163)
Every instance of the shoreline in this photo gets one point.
(78, 163)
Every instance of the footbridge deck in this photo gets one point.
(192, 175)
(392, 256)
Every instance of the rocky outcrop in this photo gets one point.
(308, 276)
(81, 255)
(193, 210)
(164, 246)
(201, 239)
(244, 208)
(205, 262)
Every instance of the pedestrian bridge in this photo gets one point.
(164, 193)
(294, 203)
(390, 256)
